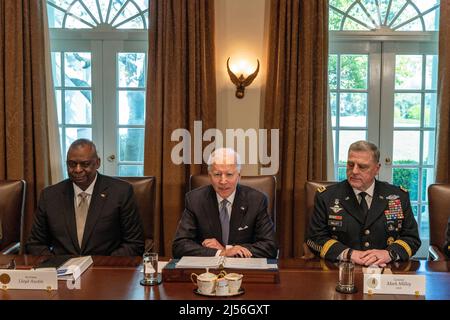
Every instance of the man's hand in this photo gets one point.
(376, 257)
(237, 251)
(213, 243)
(356, 257)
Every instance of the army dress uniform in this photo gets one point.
(338, 222)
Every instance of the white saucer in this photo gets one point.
(241, 291)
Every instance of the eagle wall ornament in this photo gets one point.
(241, 82)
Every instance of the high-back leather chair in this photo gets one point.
(439, 211)
(12, 203)
(144, 191)
(265, 184)
(311, 189)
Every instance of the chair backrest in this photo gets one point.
(265, 184)
(12, 203)
(311, 189)
(144, 192)
(438, 208)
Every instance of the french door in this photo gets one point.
(386, 92)
(100, 93)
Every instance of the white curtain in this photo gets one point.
(56, 171)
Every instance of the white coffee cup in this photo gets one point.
(222, 287)
(206, 282)
(234, 282)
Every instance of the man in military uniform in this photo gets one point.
(362, 219)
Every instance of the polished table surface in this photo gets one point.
(117, 278)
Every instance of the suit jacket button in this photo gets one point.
(366, 244)
(367, 232)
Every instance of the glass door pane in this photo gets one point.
(409, 110)
(124, 134)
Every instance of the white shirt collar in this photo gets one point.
(77, 190)
(230, 198)
(369, 190)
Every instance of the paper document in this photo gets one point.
(73, 268)
(227, 262)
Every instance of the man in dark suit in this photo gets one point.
(87, 214)
(362, 219)
(225, 218)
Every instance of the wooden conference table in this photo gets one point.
(117, 278)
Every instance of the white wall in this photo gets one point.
(241, 33)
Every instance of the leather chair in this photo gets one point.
(265, 184)
(438, 208)
(12, 203)
(144, 191)
(311, 189)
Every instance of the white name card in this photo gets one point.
(37, 279)
(394, 284)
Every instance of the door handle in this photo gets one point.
(388, 161)
(111, 158)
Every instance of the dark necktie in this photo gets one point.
(224, 221)
(363, 203)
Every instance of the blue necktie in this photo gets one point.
(224, 221)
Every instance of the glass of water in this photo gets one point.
(346, 283)
(150, 262)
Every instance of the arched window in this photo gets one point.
(383, 83)
(99, 51)
(395, 15)
(107, 14)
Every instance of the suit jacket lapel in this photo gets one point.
(238, 211)
(98, 199)
(69, 214)
(377, 207)
(350, 203)
(211, 209)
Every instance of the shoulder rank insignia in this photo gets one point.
(403, 189)
(321, 189)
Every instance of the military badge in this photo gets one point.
(395, 209)
(391, 226)
(390, 240)
(335, 223)
(337, 207)
(334, 217)
(392, 197)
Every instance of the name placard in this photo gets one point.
(394, 284)
(38, 279)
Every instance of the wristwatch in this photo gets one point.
(393, 255)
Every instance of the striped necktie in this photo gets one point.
(224, 221)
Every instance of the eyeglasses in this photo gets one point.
(84, 164)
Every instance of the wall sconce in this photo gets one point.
(241, 82)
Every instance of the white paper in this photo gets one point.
(73, 268)
(394, 284)
(228, 262)
(35, 279)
